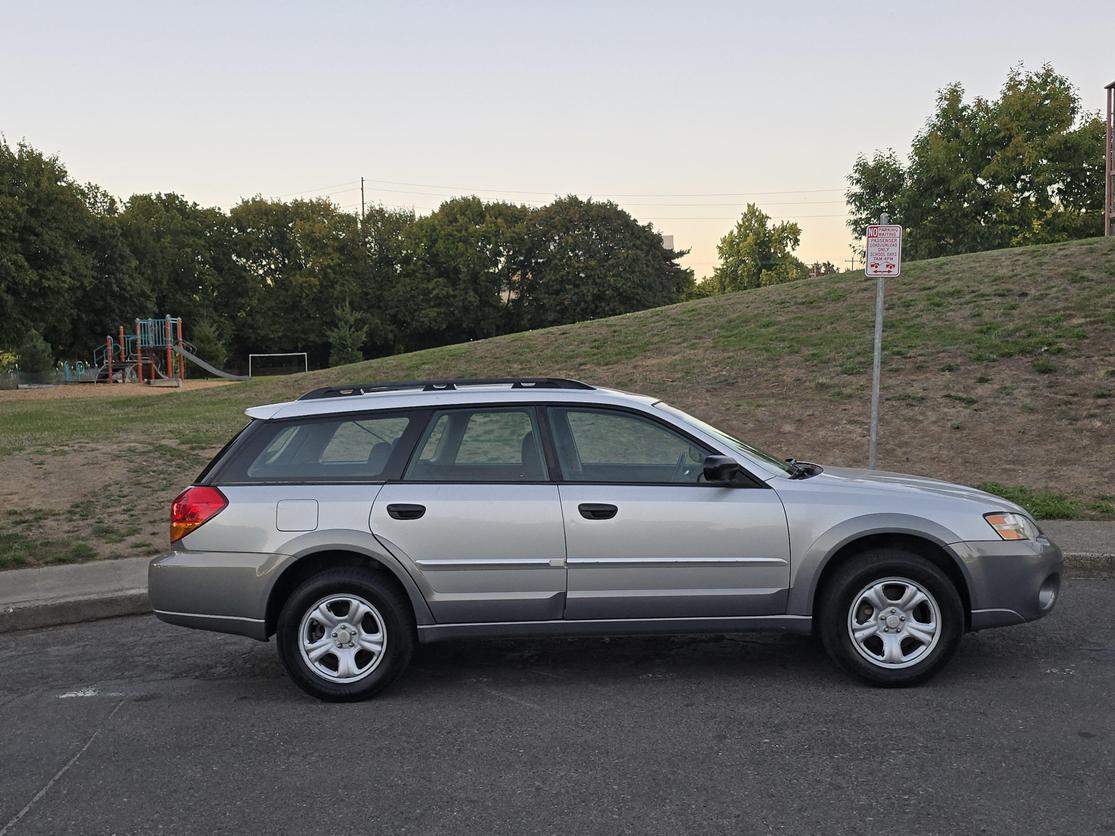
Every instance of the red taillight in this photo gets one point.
(193, 507)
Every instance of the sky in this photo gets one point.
(679, 112)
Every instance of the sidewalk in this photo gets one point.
(52, 595)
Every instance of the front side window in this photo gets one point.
(479, 445)
(345, 449)
(734, 443)
(609, 446)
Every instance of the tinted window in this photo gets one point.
(349, 448)
(605, 446)
(479, 445)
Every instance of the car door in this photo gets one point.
(646, 537)
(477, 519)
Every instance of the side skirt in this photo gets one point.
(615, 627)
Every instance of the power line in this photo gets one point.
(736, 217)
(626, 203)
(608, 194)
(320, 189)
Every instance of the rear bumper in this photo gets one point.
(222, 591)
(1011, 582)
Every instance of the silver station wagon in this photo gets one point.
(359, 520)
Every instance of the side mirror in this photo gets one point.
(723, 470)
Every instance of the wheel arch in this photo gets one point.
(318, 559)
(929, 541)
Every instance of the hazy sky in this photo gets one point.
(680, 112)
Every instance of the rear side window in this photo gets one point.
(479, 445)
(340, 448)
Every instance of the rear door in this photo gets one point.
(646, 537)
(477, 519)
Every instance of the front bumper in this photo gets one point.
(222, 591)
(1011, 581)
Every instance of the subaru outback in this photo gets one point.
(357, 521)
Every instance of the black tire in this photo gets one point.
(841, 590)
(398, 625)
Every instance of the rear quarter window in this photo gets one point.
(329, 449)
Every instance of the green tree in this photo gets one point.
(34, 354)
(43, 265)
(185, 256)
(755, 254)
(209, 343)
(302, 259)
(1024, 168)
(589, 259)
(465, 263)
(381, 295)
(346, 337)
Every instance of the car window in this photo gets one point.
(479, 445)
(317, 449)
(612, 446)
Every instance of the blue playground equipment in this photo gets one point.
(154, 354)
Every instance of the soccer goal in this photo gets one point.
(291, 362)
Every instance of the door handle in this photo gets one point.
(403, 511)
(597, 510)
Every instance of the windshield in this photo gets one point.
(730, 440)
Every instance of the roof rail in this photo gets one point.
(444, 385)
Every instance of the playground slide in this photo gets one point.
(193, 358)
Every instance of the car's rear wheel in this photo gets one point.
(890, 617)
(344, 635)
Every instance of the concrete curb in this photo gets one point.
(1090, 560)
(33, 615)
(30, 616)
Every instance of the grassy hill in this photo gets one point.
(999, 367)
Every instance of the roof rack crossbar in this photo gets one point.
(443, 385)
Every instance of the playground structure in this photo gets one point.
(154, 354)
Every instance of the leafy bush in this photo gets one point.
(209, 344)
(35, 355)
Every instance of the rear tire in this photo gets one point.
(345, 635)
(890, 617)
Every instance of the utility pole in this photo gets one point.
(361, 201)
(1109, 164)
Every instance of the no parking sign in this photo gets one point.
(884, 250)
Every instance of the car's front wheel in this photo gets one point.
(890, 617)
(345, 635)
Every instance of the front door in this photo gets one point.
(647, 538)
(476, 519)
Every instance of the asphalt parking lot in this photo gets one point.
(132, 726)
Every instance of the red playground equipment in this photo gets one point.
(155, 354)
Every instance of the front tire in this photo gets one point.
(345, 635)
(890, 617)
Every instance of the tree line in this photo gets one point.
(303, 275)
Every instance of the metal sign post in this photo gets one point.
(883, 258)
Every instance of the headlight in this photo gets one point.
(1012, 526)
